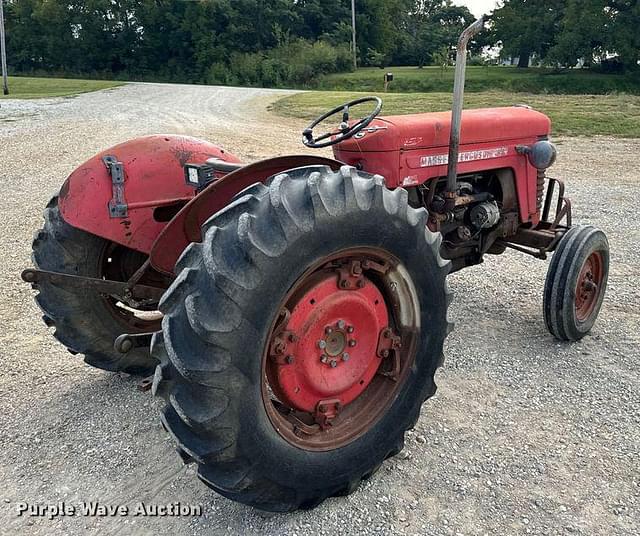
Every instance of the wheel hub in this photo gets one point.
(330, 354)
(588, 286)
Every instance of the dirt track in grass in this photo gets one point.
(525, 434)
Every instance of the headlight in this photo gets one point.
(541, 154)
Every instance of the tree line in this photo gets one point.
(562, 33)
(291, 42)
(271, 42)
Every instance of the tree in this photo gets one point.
(428, 27)
(584, 33)
(624, 37)
(528, 27)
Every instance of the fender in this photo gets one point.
(185, 227)
(153, 179)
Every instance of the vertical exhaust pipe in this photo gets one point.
(456, 110)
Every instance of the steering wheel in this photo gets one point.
(344, 131)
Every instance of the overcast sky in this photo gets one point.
(478, 7)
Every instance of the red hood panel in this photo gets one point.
(433, 129)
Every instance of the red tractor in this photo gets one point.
(294, 310)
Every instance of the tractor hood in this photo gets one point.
(419, 131)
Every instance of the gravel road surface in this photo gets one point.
(525, 436)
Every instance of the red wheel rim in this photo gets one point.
(589, 286)
(340, 349)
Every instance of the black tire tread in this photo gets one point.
(559, 295)
(81, 321)
(204, 312)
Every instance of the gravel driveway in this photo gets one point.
(525, 435)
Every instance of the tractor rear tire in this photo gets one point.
(83, 321)
(576, 283)
(219, 318)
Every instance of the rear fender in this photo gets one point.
(185, 226)
(153, 179)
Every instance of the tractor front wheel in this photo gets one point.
(302, 336)
(576, 283)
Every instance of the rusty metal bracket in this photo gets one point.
(326, 412)
(388, 345)
(280, 351)
(279, 348)
(117, 205)
(145, 385)
(388, 341)
(351, 275)
(302, 429)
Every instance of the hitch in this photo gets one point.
(120, 289)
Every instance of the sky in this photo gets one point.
(478, 7)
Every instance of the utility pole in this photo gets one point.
(353, 25)
(3, 52)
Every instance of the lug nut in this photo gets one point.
(322, 344)
(324, 358)
(341, 324)
(293, 337)
(334, 363)
(350, 329)
(328, 330)
(289, 359)
(345, 356)
(352, 343)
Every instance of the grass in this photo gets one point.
(572, 115)
(35, 88)
(481, 79)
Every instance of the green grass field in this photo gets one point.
(572, 115)
(35, 88)
(481, 79)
